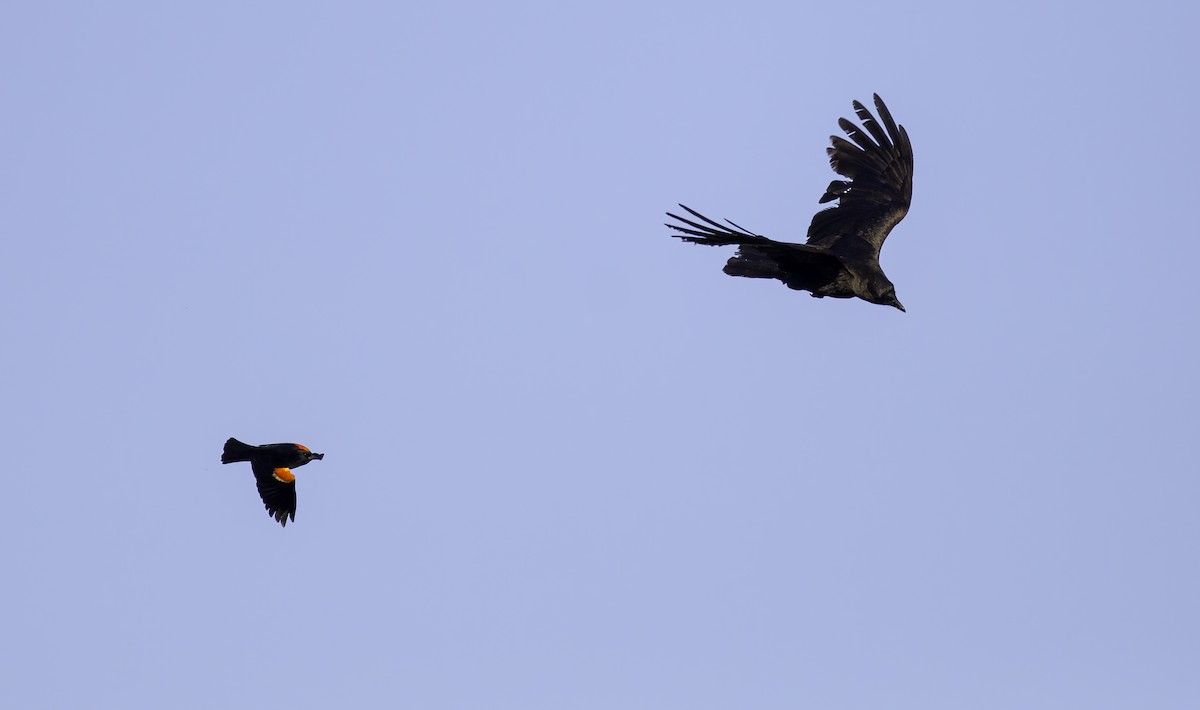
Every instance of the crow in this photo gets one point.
(841, 255)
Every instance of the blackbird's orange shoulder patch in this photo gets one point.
(284, 475)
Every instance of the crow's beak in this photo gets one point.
(899, 305)
(318, 457)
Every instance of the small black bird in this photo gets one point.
(272, 464)
(841, 256)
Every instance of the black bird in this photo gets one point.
(272, 464)
(841, 255)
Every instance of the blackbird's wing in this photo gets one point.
(878, 161)
(277, 488)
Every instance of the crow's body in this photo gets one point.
(841, 256)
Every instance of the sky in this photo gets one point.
(569, 463)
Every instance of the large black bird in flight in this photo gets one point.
(841, 255)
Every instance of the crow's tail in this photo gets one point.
(237, 451)
(713, 233)
(756, 263)
(756, 257)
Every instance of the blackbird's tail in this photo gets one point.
(237, 451)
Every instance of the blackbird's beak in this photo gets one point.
(318, 457)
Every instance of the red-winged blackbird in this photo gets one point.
(272, 464)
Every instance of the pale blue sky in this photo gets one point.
(569, 463)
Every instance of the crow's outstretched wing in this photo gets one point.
(878, 161)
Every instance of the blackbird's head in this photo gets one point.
(306, 455)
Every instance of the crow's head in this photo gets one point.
(882, 291)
